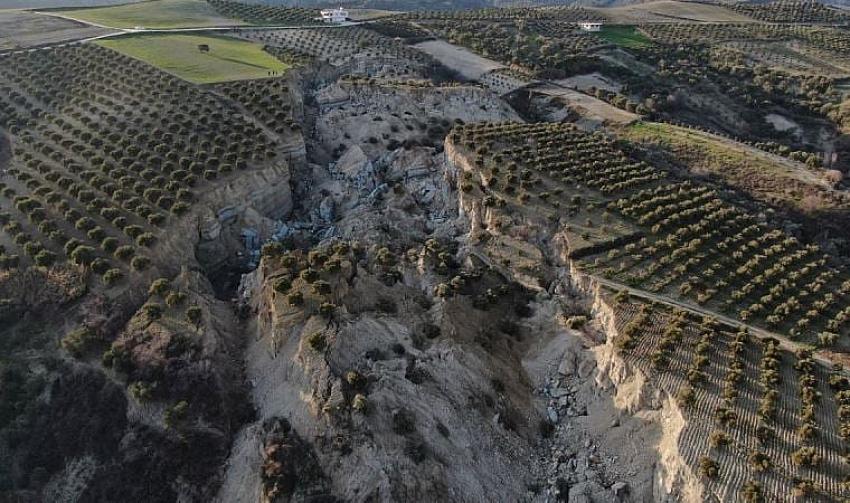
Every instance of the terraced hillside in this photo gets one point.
(801, 41)
(341, 46)
(759, 423)
(793, 11)
(730, 74)
(635, 224)
(266, 14)
(832, 39)
(108, 155)
(446, 255)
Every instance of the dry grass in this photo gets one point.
(764, 176)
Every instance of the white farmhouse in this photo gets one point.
(339, 15)
(590, 26)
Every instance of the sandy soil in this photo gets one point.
(22, 29)
(468, 64)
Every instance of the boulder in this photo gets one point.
(567, 365)
(588, 492)
(586, 367)
(620, 490)
(353, 162)
(327, 209)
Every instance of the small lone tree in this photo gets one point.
(193, 314)
(708, 468)
(159, 287)
(317, 342)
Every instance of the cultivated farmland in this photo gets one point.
(764, 175)
(179, 54)
(692, 244)
(489, 254)
(102, 199)
(21, 29)
(342, 46)
(154, 14)
(266, 14)
(758, 419)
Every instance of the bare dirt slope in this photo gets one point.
(395, 363)
(589, 107)
(461, 60)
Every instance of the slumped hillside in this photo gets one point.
(504, 253)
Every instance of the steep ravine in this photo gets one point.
(636, 394)
(583, 423)
(631, 390)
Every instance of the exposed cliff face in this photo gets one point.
(636, 394)
(631, 390)
(443, 367)
(606, 411)
(159, 423)
(411, 395)
(456, 381)
(445, 418)
(234, 219)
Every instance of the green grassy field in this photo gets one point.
(154, 14)
(626, 36)
(228, 58)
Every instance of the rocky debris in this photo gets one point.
(451, 412)
(354, 165)
(327, 210)
(576, 472)
(620, 490)
(583, 458)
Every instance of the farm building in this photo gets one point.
(590, 26)
(339, 15)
